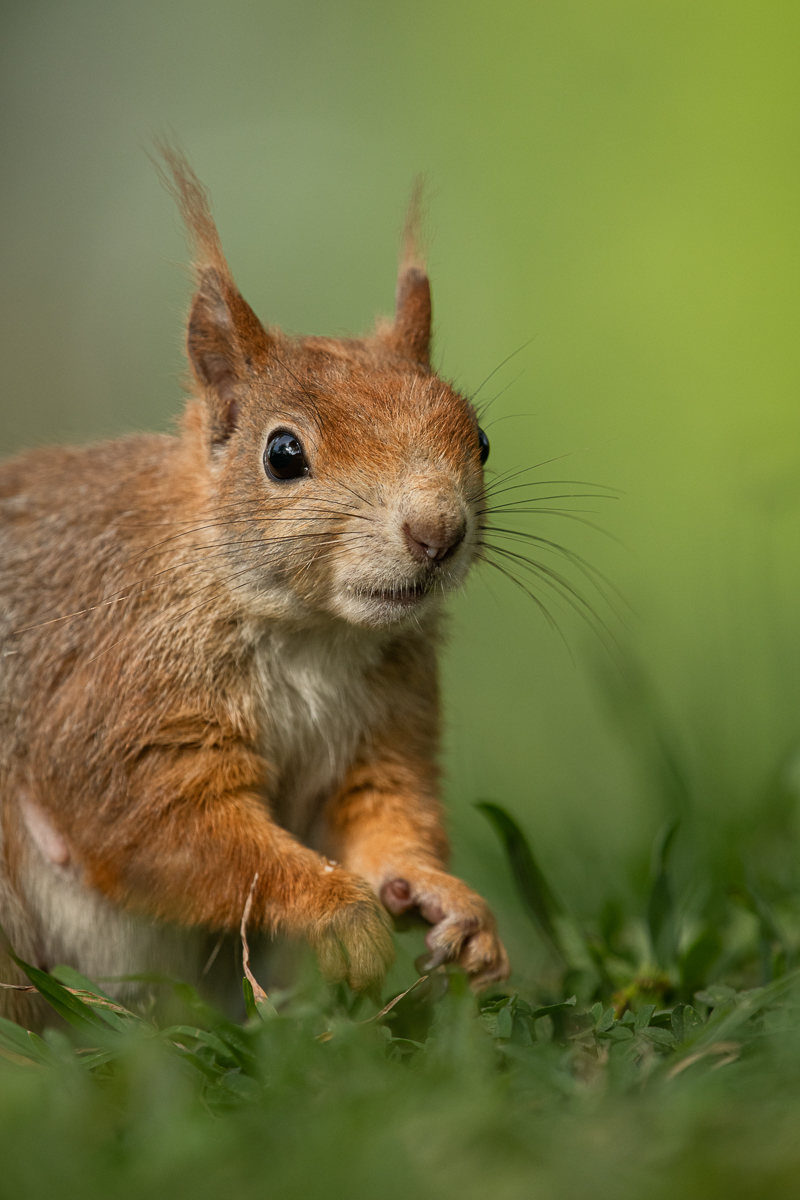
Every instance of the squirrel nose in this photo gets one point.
(433, 541)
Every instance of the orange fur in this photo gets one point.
(209, 673)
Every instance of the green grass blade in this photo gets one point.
(81, 983)
(660, 906)
(698, 960)
(70, 1007)
(249, 1000)
(19, 1041)
(204, 1037)
(536, 894)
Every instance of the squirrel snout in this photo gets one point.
(433, 541)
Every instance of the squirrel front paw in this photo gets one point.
(464, 930)
(353, 938)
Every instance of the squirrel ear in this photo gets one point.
(410, 335)
(411, 332)
(224, 340)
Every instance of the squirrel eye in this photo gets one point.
(483, 442)
(284, 457)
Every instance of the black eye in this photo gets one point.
(483, 442)
(284, 457)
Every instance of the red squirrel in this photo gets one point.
(219, 652)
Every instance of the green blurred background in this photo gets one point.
(614, 184)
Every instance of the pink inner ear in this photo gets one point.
(47, 838)
(224, 340)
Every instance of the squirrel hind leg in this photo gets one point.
(52, 916)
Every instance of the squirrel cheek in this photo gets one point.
(49, 841)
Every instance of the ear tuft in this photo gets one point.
(193, 201)
(224, 337)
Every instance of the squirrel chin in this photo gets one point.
(383, 606)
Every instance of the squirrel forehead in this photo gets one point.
(342, 387)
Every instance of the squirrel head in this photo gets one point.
(344, 476)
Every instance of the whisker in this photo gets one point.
(137, 586)
(551, 621)
(503, 477)
(567, 514)
(583, 483)
(513, 472)
(550, 577)
(493, 493)
(357, 495)
(583, 565)
(210, 599)
(499, 366)
(508, 416)
(483, 408)
(225, 587)
(537, 500)
(564, 588)
(151, 550)
(218, 509)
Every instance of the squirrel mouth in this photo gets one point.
(403, 596)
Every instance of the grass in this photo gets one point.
(659, 1056)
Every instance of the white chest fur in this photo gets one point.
(319, 702)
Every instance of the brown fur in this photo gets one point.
(207, 674)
